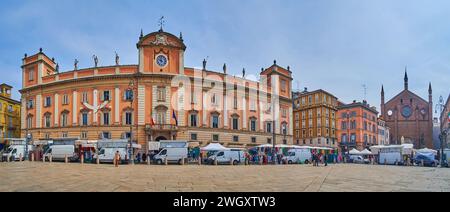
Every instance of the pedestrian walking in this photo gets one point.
(325, 158)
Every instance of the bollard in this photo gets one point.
(82, 159)
(43, 159)
(215, 162)
(32, 157)
(182, 161)
(50, 159)
(231, 161)
(199, 161)
(20, 157)
(97, 160)
(260, 161)
(165, 161)
(148, 161)
(421, 163)
(65, 158)
(8, 158)
(385, 162)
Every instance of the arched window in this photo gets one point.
(64, 118)
(215, 120)
(235, 121)
(253, 124)
(29, 121)
(193, 119)
(47, 120)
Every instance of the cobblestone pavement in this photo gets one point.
(38, 176)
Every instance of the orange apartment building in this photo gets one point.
(357, 126)
(315, 118)
(170, 101)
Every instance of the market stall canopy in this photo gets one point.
(354, 152)
(214, 147)
(366, 152)
(426, 150)
(407, 149)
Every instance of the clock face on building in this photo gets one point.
(161, 60)
(390, 113)
(406, 111)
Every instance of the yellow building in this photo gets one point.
(315, 118)
(9, 114)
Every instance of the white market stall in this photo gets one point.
(354, 152)
(366, 152)
(214, 147)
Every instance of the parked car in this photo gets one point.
(359, 159)
(226, 156)
(298, 156)
(428, 159)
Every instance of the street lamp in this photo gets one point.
(131, 98)
(440, 106)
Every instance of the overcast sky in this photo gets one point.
(335, 45)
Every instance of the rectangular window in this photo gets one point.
(269, 140)
(47, 121)
(47, 135)
(48, 101)
(106, 96)
(84, 97)
(31, 75)
(128, 118)
(283, 85)
(161, 92)
(253, 125)
(253, 139)
(128, 95)
(235, 138)
(215, 121)
(235, 103)
(30, 104)
(106, 135)
(269, 127)
(65, 100)
(84, 135)
(193, 136)
(193, 120)
(235, 123)
(65, 134)
(283, 112)
(252, 105)
(105, 118)
(215, 137)
(84, 118)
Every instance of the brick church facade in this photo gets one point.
(409, 116)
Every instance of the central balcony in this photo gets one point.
(161, 127)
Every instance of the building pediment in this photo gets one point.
(406, 95)
(161, 38)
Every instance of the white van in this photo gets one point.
(14, 152)
(225, 156)
(302, 155)
(173, 155)
(106, 155)
(391, 155)
(59, 152)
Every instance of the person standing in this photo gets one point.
(116, 159)
(325, 158)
